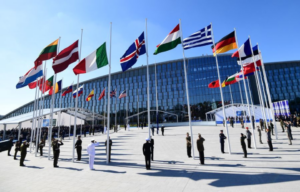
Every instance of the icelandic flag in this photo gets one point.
(30, 76)
(133, 52)
(80, 91)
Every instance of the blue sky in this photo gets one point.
(27, 27)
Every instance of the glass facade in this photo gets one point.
(171, 92)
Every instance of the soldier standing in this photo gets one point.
(10, 144)
(147, 153)
(243, 137)
(152, 148)
(188, 145)
(162, 130)
(17, 148)
(109, 148)
(91, 152)
(200, 148)
(249, 134)
(259, 134)
(23, 152)
(56, 144)
(41, 146)
(222, 140)
(78, 146)
(269, 139)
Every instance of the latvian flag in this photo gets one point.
(65, 58)
(123, 94)
(80, 91)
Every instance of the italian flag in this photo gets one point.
(170, 42)
(95, 60)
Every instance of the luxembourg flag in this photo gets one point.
(30, 76)
(80, 91)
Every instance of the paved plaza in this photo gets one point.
(171, 169)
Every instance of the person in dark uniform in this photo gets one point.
(56, 144)
(162, 130)
(243, 137)
(259, 134)
(10, 144)
(41, 146)
(109, 149)
(272, 127)
(142, 126)
(17, 148)
(125, 126)
(269, 139)
(93, 131)
(84, 131)
(147, 153)
(78, 146)
(200, 148)
(90, 130)
(152, 148)
(152, 129)
(188, 145)
(249, 134)
(222, 140)
(23, 150)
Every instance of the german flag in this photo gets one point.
(47, 53)
(225, 44)
(89, 97)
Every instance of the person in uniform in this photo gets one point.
(162, 130)
(272, 127)
(282, 124)
(23, 150)
(259, 134)
(200, 148)
(152, 129)
(78, 146)
(41, 146)
(17, 148)
(91, 152)
(109, 148)
(10, 144)
(269, 139)
(56, 144)
(249, 134)
(152, 148)
(188, 145)
(289, 133)
(222, 140)
(242, 122)
(243, 137)
(147, 153)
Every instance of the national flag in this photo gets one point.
(246, 54)
(249, 70)
(89, 97)
(133, 52)
(65, 58)
(47, 53)
(95, 60)
(57, 87)
(68, 90)
(230, 80)
(33, 85)
(113, 93)
(214, 84)
(244, 50)
(123, 94)
(225, 44)
(30, 76)
(102, 94)
(198, 39)
(80, 91)
(224, 83)
(170, 42)
(239, 76)
(47, 85)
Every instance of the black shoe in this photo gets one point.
(56, 166)
(23, 165)
(9, 155)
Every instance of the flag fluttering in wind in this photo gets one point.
(102, 94)
(47, 53)
(47, 85)
(214, 84)
(170, 42)
(33, 85)
(95, 60)
(123, 94)
(113, 93)
(65, 58)
(133, 52)
(30, 76)
(57, 87)
(89, 97)
(198, 39)
(225, 44)
(246, 55)
(80, 91)
(68, 90)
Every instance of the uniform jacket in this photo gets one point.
(200, 146)
(243, 140)
(268, 135)
(188, 141)
(91, 148)
(222, 137)
(24, 148)
(78, 143)
(147, 149)
(249, 134)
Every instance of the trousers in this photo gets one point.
(91, 161)
(222, 147)
(249, 143)
(244, 150)
(270, 145)
(201, 157)
(22, 159)
(78, 150)
(152, 153)
(147, 161)
(189, 149)
(56, 155)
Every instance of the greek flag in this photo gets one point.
(198, 39)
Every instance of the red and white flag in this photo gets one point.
(65, 58)
(102, 94)
(33, 85)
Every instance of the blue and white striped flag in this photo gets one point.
(198, 39)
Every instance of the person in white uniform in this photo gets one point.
(91, 152)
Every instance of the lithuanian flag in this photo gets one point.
(47, 53)
(57, 87)
(89, 97)
(225, 44)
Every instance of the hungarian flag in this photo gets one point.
(35, 83)
(95, 60)
(65, 58)
(214, 84)
(225, 44)
(102, 94)
(89, 97)
(170, 42)
(47, 85)
(57, 87)
(68, 90)
(47, 53)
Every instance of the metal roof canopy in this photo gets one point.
(81, 114)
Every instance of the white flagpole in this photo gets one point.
(43, 99)
(81, 119)
(242, 100)
(93, 111)
(33, 114)
(36, 116)
(187, 93)
(71, 105)
(74, 128)
(59, 117)
(156, 97)
(116, 108)
(104, 109)
(221, 91)
(259, 96)
(36, 111)
(231, 95)
(250, 93)
(264, 96)
(108, 102)
(137, 94)
(148, 93)
(126, 113)
(268, 93)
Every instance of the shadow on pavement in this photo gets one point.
(35, 167)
